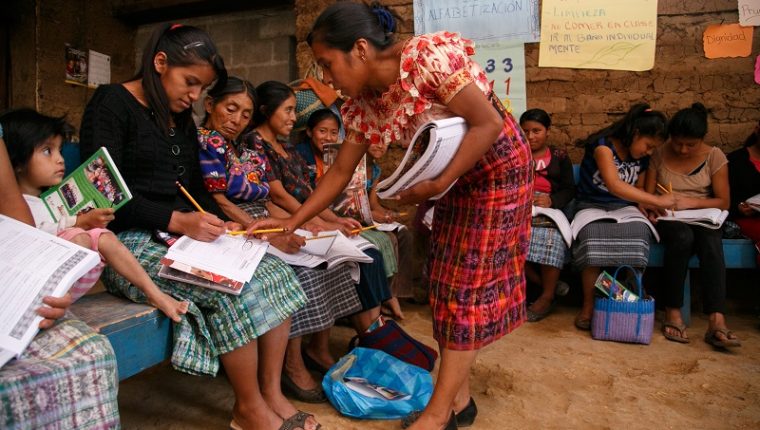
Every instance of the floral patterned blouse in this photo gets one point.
(434, 68)
(240, 178)
(292, 171)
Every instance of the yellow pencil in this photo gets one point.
(189, 197)
(359, 230)
(403, 213)
(320, 237)
(267, 230)
(663, 189)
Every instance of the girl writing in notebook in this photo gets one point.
(146, 124)
(698, 173)
(612, 175)
(34, 146)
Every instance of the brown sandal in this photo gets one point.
(681, 329)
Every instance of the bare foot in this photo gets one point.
(393, 308)
(173, 308)
(282, 407)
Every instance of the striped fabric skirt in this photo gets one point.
(331, 293)
(611, 244)
(216, 322)
(65, 379)
(547, 247)
(478, 245)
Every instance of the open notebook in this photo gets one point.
(430, 151)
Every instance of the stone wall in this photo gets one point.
(39, 31)
(256, 45)
(583, 101)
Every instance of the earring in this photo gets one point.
(364, 59)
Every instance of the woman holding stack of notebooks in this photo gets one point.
(480, 232)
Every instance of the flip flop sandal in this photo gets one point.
(680, 338)
(729, 342)
(297, 421)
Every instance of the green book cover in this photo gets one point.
(97, 183)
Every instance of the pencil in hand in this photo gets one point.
(267, 230)
(359, 230)
(189, 197)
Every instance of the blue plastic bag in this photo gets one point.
(381, 369)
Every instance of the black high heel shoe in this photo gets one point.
(466, 416)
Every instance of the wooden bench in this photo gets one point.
(140, 335)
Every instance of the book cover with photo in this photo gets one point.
(96, 183)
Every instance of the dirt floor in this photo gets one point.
(544, 375)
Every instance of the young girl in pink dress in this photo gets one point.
(34, 147)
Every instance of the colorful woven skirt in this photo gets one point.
(216, 322)
(331, 293)
(479, 242)
(65, 379)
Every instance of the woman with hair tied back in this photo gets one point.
(147, 127)
(481, 227)
(612, 176)
(698, 173)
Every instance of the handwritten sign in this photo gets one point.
(504, 63)
(479, 19)
(598, 34)
(749, 12)
(727, 40)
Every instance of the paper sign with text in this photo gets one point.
(598, 34)
(749, 12)
(727, 40)
(504, 64)
(515, 20)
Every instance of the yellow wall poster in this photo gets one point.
(598, 34)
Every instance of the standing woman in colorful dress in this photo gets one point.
(481, 227)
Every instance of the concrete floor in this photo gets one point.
(162, 398)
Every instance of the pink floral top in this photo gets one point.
(434, 68)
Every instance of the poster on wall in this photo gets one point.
(598, 34)
(749, 12)
(100, 69)
(727, 40)
(479, 20)
(504, 64)
(76, 66)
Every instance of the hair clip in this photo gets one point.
(175, 26)
(191, 45)
(648, 110)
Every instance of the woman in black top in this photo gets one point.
(147, 127)
(744, 180)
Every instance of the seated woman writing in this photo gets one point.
(236, 178)
(698, 174)
(146, 125)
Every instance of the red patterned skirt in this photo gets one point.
(479, 242)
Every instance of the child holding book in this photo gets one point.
(612, 176)
(554, 187)
(698, 173)
(34, 146)
(55, 360)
